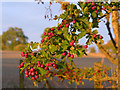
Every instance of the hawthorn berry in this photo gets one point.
(31, 69)
(60, 26)
(44, 33)
(73, 21)
(33, 78)
(49, 34)
(94, 35)
(22, 54)
(71, 43)
(63, 53)
(48, 38)
(96, 11)
(92, 3)
(67, 25)
(26, 75)
(26, 72)
(36, 76)
(68, 55)
(85, 46)
(22, 64)
(52, 35)
(47, 64)
(93, 7)
(100, 37)
(42, 66)
(72, 56)
(42, 40)
(52, 29)
(103, 8)
(46, 68)
(32, 73)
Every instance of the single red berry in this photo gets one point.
(63, 20)
(47, 64)
(46, 68)
(22, 54)
(19, 66)
(26, 75)
(42, 66)
(54, 65)
(68, 55)
(100, 37)
(32, 73)
(62, 23)
(36, 72)
(39, 65)
(71, 43)
(79, 48)
(38, 62)
(103, 8)
(52, 35)
(22, 64)
(29, 73)
(26, 72)
(36, 76)
(85, 46)
(107, 73)
(33, 78)
(63, 53)
(93, 7)
(60, 26)
(94, 35)
(44, 33)
(48, 38)
(49, 34)
(72, 56)
(32, 54)
(67, 25)
(31, 69)
(42, 40)
(73, 21)
(96, 11)
(52, 29)
(45, 49)
(92, 3)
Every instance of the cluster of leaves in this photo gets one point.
(59, 46)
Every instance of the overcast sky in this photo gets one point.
(30, 17)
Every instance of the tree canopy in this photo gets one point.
(13, 37)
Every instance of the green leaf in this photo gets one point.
(95, 32)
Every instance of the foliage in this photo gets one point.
(13, 37)
(92, 49)
(59, 45)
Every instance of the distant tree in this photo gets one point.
(13, 37)
(110, 47)
(92, 49)
(0, 42)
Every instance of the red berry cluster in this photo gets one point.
(24, 54)
(68, 55)
(31, 73)
(49, 34)
(47, 65)
(100, 37)
(93, 7)
(72, 43)
(21, 65)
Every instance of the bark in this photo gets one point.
(115, 25)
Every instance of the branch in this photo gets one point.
(107, 13)
(108, 54)
(110, 34)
